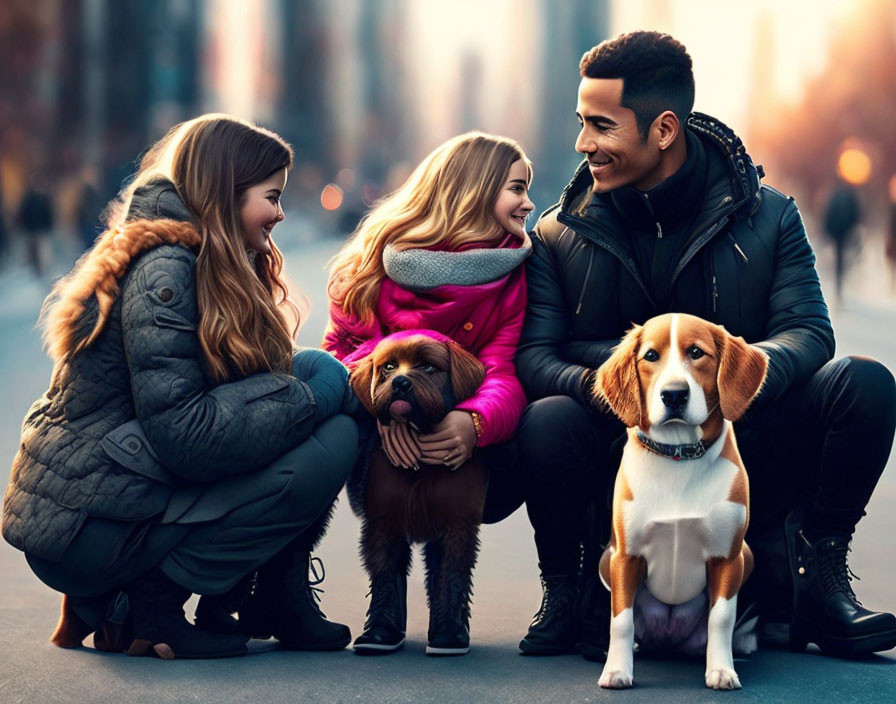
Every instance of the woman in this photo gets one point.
(183, 443)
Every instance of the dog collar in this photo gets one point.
(691, 451)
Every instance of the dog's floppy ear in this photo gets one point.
(361, 381)
(617, 380)
(742, 370)
(466, 372)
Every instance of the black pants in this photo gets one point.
(561, 455)
(824, 444)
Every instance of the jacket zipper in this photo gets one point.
(715, 288)
(738, 249)
(582, 226)
(698, 245)
(587, 276)
(659, 228)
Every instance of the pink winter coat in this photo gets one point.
(486, 319)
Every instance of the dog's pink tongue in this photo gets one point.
(399, 408)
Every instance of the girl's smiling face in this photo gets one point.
(260, 210)
(512, 206)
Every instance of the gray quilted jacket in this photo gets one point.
(133, 419)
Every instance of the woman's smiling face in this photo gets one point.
(260, 210)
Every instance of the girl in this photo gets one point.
(442, 253)
(183, 443)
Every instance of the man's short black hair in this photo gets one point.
(655, 70)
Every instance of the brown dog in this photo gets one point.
(418, 379)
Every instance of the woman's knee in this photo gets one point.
(310, 361)
(322, 463)
(338, 436)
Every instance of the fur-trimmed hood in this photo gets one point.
(76, 311)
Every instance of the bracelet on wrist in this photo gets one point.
(477, 423)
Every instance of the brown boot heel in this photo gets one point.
(71, 630)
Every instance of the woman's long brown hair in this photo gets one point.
(245, 312)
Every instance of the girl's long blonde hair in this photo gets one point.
(243, 302)
(449, 199)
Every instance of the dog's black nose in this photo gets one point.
(674, 398)
(402, 384)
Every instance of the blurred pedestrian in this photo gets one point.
(36, 220)
(183, 443)
(90, 206)
(841, 216)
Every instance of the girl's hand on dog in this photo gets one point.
(451, 442)
(400, 444)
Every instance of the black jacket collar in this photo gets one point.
(671, 204)
(732, 176)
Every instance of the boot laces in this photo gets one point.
(458, 598)
(836, 574)
(311, 588)
(558, 595)
(383, 600)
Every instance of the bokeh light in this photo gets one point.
(854, 166)
(346, 179)
(331, 197)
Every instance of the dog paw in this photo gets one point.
(615, 679)
(722, 678)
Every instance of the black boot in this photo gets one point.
(449, 613)
(285, 605)
(554, 630)
(159, 626)
(384, 630)
(825, 608)
(594, 633)
(214, 612)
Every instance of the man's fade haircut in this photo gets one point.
(656, 73)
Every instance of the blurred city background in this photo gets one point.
(364, 88)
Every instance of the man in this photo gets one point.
(666, 214)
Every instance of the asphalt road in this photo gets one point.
(507, 591)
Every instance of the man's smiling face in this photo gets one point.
(610, 141)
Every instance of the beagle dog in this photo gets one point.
(681, 498)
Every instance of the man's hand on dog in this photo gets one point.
(451, 442)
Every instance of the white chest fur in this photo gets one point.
(679, 517)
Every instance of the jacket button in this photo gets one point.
(166, 294)
(468, 326)
(133, 445)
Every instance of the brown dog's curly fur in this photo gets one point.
(433, 505)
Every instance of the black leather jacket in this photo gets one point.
(746, 263)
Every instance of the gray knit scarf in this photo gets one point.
(424, 269)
